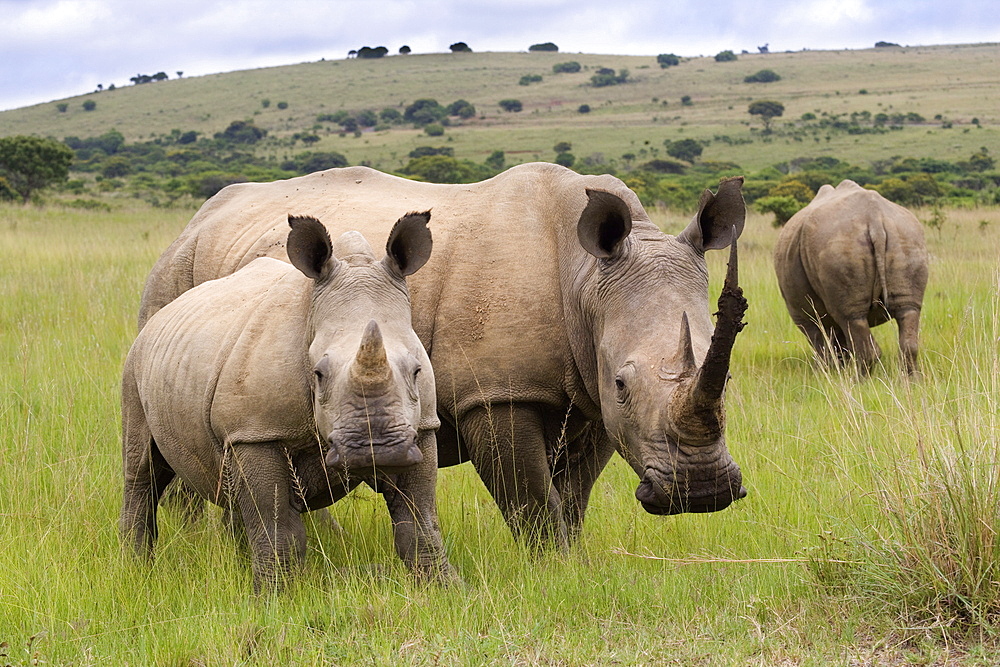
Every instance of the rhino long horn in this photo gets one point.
(697, 410)
(371, 366)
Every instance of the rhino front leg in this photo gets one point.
(507, 446)
(260, 482)
(574, 477)
(412, 503)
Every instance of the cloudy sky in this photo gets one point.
(51, 49)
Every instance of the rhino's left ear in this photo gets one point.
(309, 247)
(718, 216)
(409, 244)
(604, 224)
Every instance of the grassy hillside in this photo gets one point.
(948, 86)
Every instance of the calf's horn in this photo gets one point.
(371, 366)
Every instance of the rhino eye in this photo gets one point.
(620, 388)
(416, 372)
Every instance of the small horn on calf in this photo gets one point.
(696, 410)
(371, 366)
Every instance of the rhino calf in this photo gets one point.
(848, 261)
(276, 390)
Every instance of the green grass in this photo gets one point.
(955, 82)
(868, 534)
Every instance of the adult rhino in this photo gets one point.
(849, 261)
(279, 388)
(562, 325)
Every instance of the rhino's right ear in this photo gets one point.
(720, 217)
(309, 247)
(604, 224)
(409, 245)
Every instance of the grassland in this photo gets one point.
(868, 537)
(956, 84)
(870, 532)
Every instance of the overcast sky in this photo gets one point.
(51, 49)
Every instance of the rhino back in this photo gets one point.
(225, 362)
(489, 299)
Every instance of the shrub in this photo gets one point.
(607, 77)
(460, 47)
(583, 108)
(664, 167)
(282, 105)
(783, 207)
(390, 115)
(89, 105)
(242, 132)
(683, 149)
(307, 163)
(899, 191)
(116, 167)
(424, 151)
(369, 52)
(404, 50)
(666, 60)
(461, 108)
(725, 57)
(570, 67)
(686, 101)
(795, 189)
(265, 103)
(763, 76)
(28, 164)
(512, 106)
(496, 161)
(424, 111)
(434, 129)
(61, 107)
(547, 46)
(445, 169)
(563, 147)
(188, 137)
(565, 159)
(529, 79)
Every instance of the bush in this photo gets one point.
(462, 108)
(424, 111)
(686, 101)
(242, 132)
(29, 164)
(265, 103)
(529, 79)
(763, 76)
(369, 52)
(89, 105)
(583, 108)
(434, 129)
(496, 161)
(547, 46)
(664, 167)
(666, 60)
(390, 115)
(795, 189)
(512, 106)
(683, 149)
(725, 57)
(783, 207)
(424, 151)
(565, 159)
(460, 47)
(607, 77)
(445, 169)
(307, 163)
(61, 107)
(282, 105)
(570, 67)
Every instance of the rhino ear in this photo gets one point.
(409, 244)
(604, 224)
(717, 218)
(309, 247)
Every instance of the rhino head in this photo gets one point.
(371, 377)
(661, 369)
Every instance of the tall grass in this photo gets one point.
(871, 515)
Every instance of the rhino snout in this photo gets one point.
(386, 454)
(665, 495)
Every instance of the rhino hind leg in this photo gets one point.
(908, 322)
(146, 474)
(862, 345)
(507, 446)
(261, 495)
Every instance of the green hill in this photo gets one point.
(858, 106)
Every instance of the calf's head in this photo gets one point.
(371, 376)
(661, 369)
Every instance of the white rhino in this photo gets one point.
(242, 387)
(849, 261)
(562, 325)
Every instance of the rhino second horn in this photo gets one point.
(686, 347)
(371, 364)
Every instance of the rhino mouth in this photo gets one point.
(390, 457)
(665, 504)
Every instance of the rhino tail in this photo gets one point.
(878, 239)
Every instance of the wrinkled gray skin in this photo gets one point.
(555, 314)
(242, 387)
(849, 261)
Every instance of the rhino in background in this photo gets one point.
(242, 387)
(849, 261)
(562, 324)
